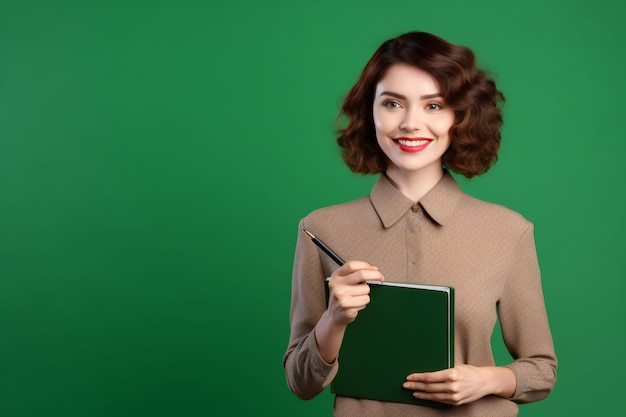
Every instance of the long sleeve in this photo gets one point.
(485, 251)
(306, 372)
(525, 326)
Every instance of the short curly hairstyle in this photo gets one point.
(475, 133)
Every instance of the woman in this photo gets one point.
(419, 109)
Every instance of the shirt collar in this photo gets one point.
(439, 203)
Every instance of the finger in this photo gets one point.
(437, 387)
(346, 291)
(350, 310)
(352, 266)
(365, 275)
(354, 278)
(349, 297)
(431, 377)
(453, 399)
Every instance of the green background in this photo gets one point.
(155, 158)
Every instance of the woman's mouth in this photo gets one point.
(412, 145)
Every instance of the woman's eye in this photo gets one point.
(433, 106)
(391, 104)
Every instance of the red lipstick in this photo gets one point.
(412, 144)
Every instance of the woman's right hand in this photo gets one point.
(349, 292)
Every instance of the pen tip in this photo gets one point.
(311, 235)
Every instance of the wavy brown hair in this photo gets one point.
(475, 133)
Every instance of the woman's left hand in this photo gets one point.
(461, 384)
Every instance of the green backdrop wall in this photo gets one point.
(155, 158)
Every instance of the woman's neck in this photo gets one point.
(415, 184)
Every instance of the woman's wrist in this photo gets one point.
(501, 381)
(328, 337)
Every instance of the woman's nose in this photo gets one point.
(412, 121)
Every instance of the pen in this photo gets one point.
(325, 248)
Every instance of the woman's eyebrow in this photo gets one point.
(403, 97)
(427, 96)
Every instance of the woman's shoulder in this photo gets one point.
(491, 214)
(333, 216)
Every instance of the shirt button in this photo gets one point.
(415, 208)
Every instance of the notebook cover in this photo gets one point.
(404, 329)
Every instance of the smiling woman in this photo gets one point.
(453, 79)
(419, 109)
(412, 124)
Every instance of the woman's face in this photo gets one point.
(411, 120)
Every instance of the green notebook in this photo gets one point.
(405, 328)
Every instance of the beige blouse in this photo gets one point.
(485, 251)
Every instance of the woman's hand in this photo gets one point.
(349, 294)
(462, 384)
